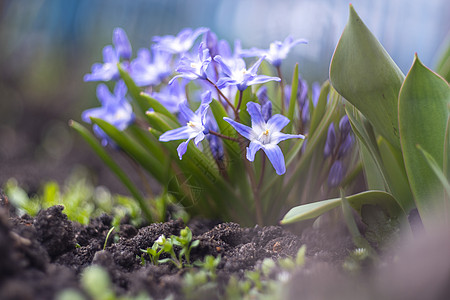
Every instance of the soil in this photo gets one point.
(44, 255)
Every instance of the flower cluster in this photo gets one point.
(230, 102)
(214, 67)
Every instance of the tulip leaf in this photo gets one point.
(423, 113)
(364, 74)
(313, 210)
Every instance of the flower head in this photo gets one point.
(115, 109)
(193, 66)
(195, 128)
(172, 95)
(181, 43)
(147, 71)
(277, 50)
(264, 135)
(111, 57)
(235, 73)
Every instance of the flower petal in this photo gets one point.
(243, 130)
(277, 122)
(254, 109)
(262, 79)
(186, 112)
(200, 136)
(252, 149)
(277, 137)
(176, 134)
(182, 148)
(276, 157)
(121, 43)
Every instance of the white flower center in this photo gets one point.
(264, 137)
(195, 126)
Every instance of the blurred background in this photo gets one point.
(46, 46)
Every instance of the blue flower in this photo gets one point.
(111, 57)
(337, 172)
(193, 66)
(115, 110)
(195, 128)
(235, 73)
(277, 50)
(181, 43)
(264, 135)
(146, 72)
(171, 96)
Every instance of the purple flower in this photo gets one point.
(330, 143)
(264, 135)
(195, 128)
(181, 43)
(266, 104)
(193, 66)
(111, 57)
(336, 174)
(171, 96)
(215, 143)
(235, 73)
(146, 71)
(121, 44)
(277, 50)
(115, 109)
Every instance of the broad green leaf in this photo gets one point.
(423, 113)
(315, 209)
(436, 169)
(364, 74)
(396, 174)
(101, 152)
(443, 66)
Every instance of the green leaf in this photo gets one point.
(320, 108)
(315, 209)
(423, 113)
(158, 107)
(436, 169)
(137, 152)
(364, 74)
(443, 66)
(101, 152)
(293, 99)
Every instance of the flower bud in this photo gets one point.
(336, 174)
(330, 143)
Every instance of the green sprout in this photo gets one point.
(167, 245)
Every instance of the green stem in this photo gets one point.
(222, 136)
(282, 89)
(223, 96)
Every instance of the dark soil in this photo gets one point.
(42, 256)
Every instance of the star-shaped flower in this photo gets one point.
(181, 43)
(147, 71)
(195, 128)
(193, 66)
(277, 50)
(115, 110)
(264, 135)
(235, 73)
(111, 56)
